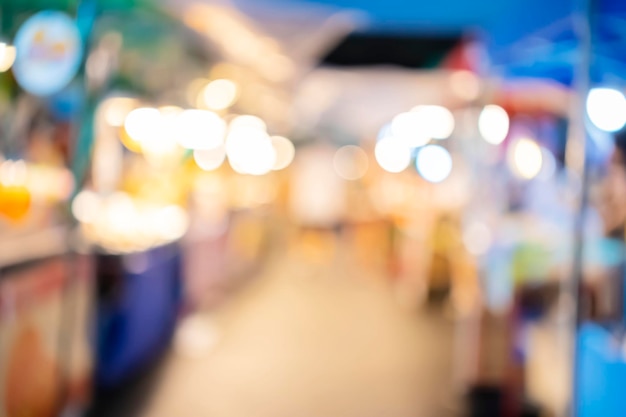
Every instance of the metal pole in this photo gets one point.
(578, 163)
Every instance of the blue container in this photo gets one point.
(139, 298)
(601, 374)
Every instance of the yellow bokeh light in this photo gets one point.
(219, 94)
(7, 56)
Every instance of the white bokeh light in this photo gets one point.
(392, 155)
(493, 124)
(285, 152)
(525, 158)
(142, 124)
(200, 129)
(86, 206)
(209, 159)
(248, 121)
(437, 122)
(434, 163)
(250, 151)
(606, 108)
(409, 128)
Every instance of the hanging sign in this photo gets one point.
(49, 52)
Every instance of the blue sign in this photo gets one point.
(49, 52)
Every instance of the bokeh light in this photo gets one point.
(350, 162)
(196, 336)
(250, 121)
(142, 124)
(116, 109)
(7, 56)
(606, 108)
(477, 238)
(13, 173)
(434, 163)
(162, 143)
(200, 129)
(548, 165)
(493, 124)
(210, 159)
(465, 84)
(285, 152)
(86, 206)
(219, 94)
(436, 122)
(409, 128)
(525, 158)
(392, 155)
(250, 151)
(171, 223)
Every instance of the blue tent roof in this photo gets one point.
(524, 38)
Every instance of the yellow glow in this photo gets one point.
(211, 159)
(392, 155)
(493, 124)
(200, 129)
(7, 56)
(350, 162)
(435, 122)
(525, 158)
(219, 94)
(277, 67)
(465, 84)
(285, 152)
(122, 224)
(115, 109)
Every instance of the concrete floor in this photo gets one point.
(314, 335)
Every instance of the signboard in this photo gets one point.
(49, 52)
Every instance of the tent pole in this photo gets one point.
(577, 162)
